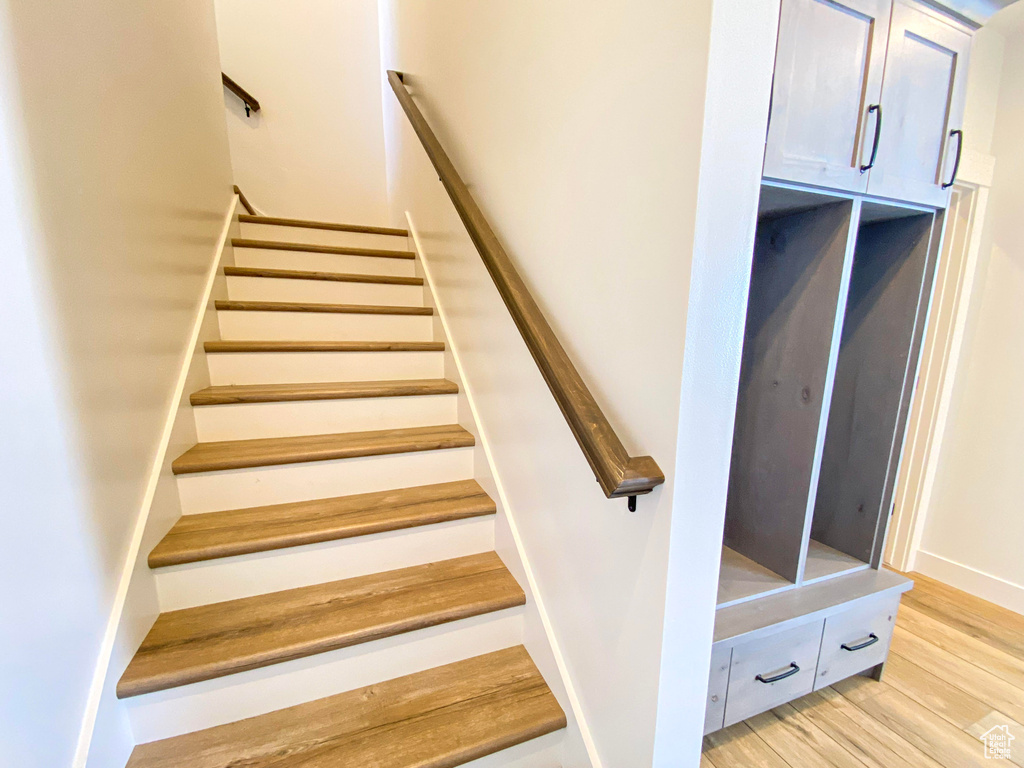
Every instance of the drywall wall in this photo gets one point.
(117, 176)
(44, 666)
(974, 526)
(983, 77)
(584, 155)
(315, 150)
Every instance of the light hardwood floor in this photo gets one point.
(956, 669)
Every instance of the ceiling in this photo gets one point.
(977, 12)
(1010, 19)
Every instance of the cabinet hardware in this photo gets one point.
(959, 151)
(793, 669)
(872, 639)
(878, 135)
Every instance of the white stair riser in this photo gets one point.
(255, 692)
(258, 325)
(213, 581)
(317, 367)
(323, 326)
(259, 486)
(322, 291)
(323, 262)
(323, 237)
(542, 752)
(242, 421)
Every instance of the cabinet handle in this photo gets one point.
(959, 151)
(872, 639)
(793, 669)
(878, 135)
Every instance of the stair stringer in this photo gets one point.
(577, 747)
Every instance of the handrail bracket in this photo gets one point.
(247, 99)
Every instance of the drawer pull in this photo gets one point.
(793, 669)
(872, 639)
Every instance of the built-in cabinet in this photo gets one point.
(863, 143)
(839, 294)
(868, 97)
(923, 93)
(828, 75)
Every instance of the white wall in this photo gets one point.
(974, 526)
(115, 168)
(983, 78)
(315, 150)
(578, 129)
(45, 657)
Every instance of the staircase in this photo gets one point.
(331, 596)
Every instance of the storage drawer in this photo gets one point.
(718, 685)
(772, 670)
(855, 640)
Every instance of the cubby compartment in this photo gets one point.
(839, 292)
(797, 283)
(893, 263)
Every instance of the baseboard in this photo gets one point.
(101, 682)
(978, 583)
(559, 658)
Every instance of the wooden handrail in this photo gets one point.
(245, 203)
(618, 473)
(247, 98)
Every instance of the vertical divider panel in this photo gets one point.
(829, 386)
(798, 273)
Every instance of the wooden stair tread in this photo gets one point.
(340, 250)
(324, 346)
(212, 535)
(303, 306)
(209, 641)
(306, 224)
(302, 274)
(339, 390)
(441, 717)
(261, 452)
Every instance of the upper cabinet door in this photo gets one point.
(923, 104)
(828, 73)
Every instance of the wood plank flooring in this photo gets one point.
(441, 717)
(956, 669)
(241, 242)
(267, 451)
(337, 390)
(208, 641)
(304, 223)
(225, 533)
(302, 306)
(324, 346)
(304, 274)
